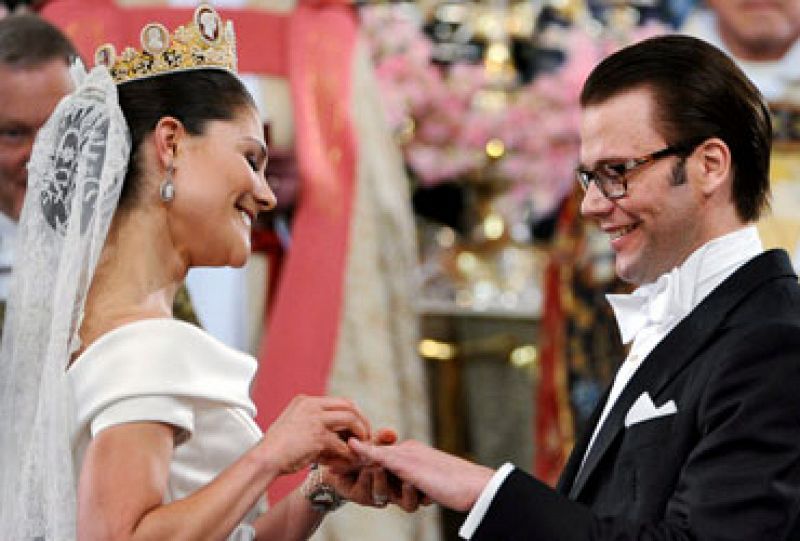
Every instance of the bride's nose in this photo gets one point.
(264, 196)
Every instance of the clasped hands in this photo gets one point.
(369, 468)
(318, 430)
(362, 481)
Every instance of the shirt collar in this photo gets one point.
(677, 292)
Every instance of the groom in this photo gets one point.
(699, 435)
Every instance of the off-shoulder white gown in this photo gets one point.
(168, 371)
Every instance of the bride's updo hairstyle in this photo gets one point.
(193, 97)
(188, 74)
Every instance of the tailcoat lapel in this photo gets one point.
(673, 354)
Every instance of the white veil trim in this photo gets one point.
(75, 177)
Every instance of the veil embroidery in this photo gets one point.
(75, 177)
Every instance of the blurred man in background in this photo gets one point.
(34, 70)
(762, 37)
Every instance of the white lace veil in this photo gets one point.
(76, 170)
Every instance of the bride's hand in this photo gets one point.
(372, 485)
(314, 429)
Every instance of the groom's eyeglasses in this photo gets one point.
(611, 177)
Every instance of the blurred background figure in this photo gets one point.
(34, 70)
(762, 37)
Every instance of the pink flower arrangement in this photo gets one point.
(446, 132)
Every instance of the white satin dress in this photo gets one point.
(168, 371)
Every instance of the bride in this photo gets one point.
(120, 422)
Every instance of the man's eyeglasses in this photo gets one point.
(610, 177)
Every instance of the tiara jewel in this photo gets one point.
(203, 43)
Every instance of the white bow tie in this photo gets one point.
(660, 303)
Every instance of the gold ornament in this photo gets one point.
(206, 42)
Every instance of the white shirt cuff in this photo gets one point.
(484, 501)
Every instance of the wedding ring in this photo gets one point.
(380, 499)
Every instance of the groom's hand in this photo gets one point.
(451, 481)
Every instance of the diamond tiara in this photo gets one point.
(203, 43)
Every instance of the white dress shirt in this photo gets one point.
(645, 317)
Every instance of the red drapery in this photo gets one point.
(303, 328)
(553, 425)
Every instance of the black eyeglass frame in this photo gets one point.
(610, 178)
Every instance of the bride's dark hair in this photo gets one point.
(194, 97)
